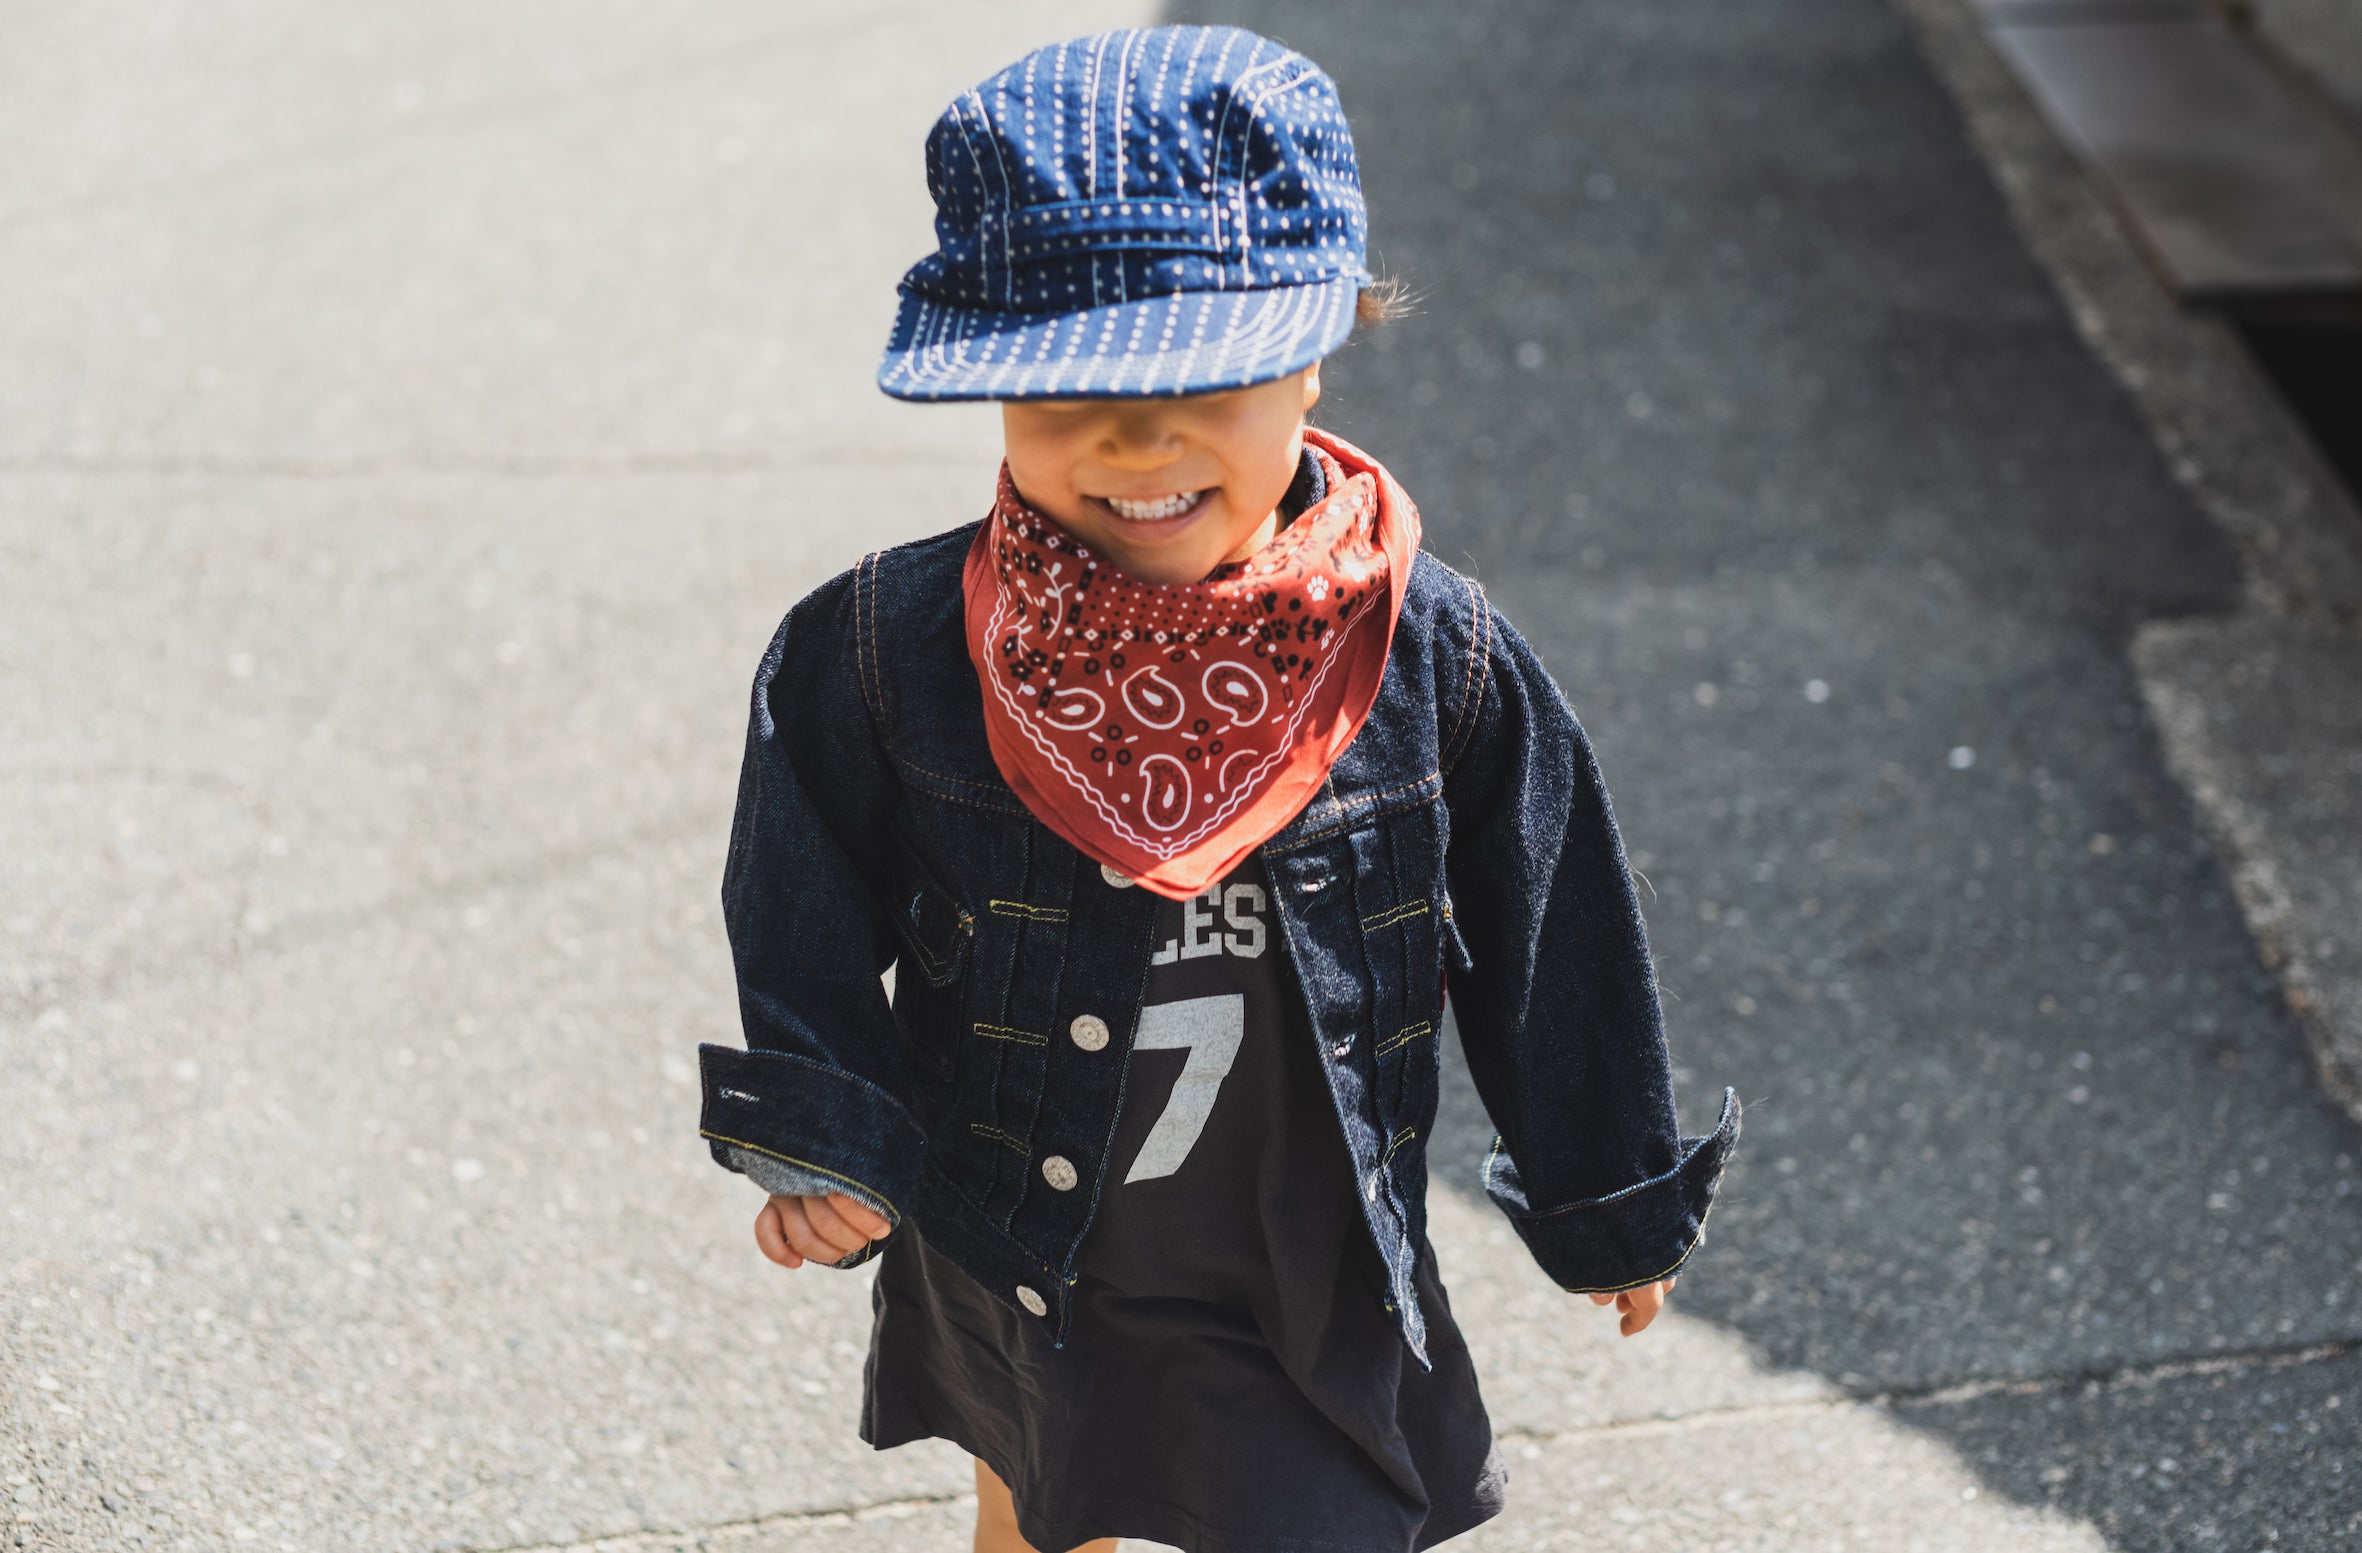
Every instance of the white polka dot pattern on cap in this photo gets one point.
(1159, 210)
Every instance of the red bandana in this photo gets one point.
(1167, 731)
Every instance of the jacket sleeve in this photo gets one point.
(1555, 995)
(821, 1098)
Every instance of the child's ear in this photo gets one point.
(1311, 386)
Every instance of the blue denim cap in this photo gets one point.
(1163, 210)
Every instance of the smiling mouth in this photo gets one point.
(1155, 509)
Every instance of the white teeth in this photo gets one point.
(1148, 511)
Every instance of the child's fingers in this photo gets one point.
(831, 1227)
(1640, 1306)
(796, 1224)
(771, 1240)
(872, 1224)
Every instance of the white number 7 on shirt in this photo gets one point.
(1211, 1029)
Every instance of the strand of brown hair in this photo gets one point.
(1383, 301)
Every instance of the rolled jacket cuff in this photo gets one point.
(802, 1128)
(780, 1179)
(1630, 1237)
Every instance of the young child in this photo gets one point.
(1171, 792)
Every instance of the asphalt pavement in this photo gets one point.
(413, 421)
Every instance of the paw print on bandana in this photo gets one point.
(1318, 588)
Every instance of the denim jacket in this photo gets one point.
(1465, 828)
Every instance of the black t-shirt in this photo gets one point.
(1232, 1381)
(1228, 1170)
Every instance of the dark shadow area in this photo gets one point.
(1734, 385)
(2311, 350)
(2245, 1455)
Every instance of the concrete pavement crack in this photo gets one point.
(1954, 1392)
(730, 1531)
(1942, 1393)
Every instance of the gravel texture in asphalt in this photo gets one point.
(413, 421)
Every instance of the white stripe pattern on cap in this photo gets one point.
(1159, 211)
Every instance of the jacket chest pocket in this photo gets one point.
(936, 931)
(933, 925)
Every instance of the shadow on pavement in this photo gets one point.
(1734, 385)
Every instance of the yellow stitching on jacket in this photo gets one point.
(1378, 810)
(946, 778)
(1007, 1033)
(804, 1164)
(1480, 652)
(1401, 913)
(1007, 1140)
(865, 622)
(873, 689)
(927, 962)
(1686, 1251)
(1001, 908)
(1467, 676)
(1485, 1176)
(1346, 810)
(929, 786)
(1403, 1037)
(1484, 1172)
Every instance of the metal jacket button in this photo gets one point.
(1089, 1032)
(1058, 1170)
(1032, 1301)
(1120, 881)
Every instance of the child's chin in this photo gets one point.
(1168, 551)
(1165, 567)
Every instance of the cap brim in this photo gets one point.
(1190, 342)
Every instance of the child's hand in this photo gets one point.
(1640, 1306)
(794, 1230)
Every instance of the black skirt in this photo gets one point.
(1173, 1421)
(1232, 1380)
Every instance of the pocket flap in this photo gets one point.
(933, 924)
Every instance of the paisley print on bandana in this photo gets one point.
(1167, 731)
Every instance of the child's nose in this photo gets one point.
(1139, 440)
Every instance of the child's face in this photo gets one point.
(1167, 489)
